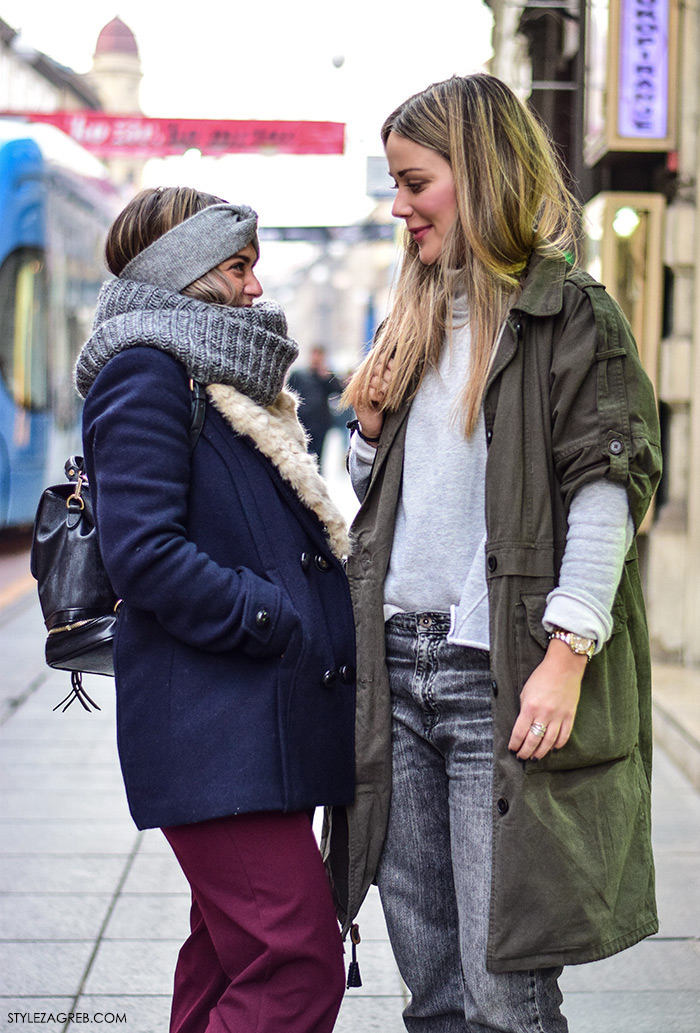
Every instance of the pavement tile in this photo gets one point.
(624, 1012)
(154, 842)
(142, 966)
(45, 730)
(661, 964)
(80, 757)
(43, 969)
(675, 820)
(678, 895)
(79, 874)
(82, 803)
(139, 916)
(370, 1014)
(67, 837)
(155, 873)
(37, 721)
(66, 780)
(44, 916)
(667, 777)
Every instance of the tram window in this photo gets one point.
(23, 328)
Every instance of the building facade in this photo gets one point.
(31, 81)
(617, 84)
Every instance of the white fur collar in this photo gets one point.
(276, 432)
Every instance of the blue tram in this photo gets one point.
(56, 204)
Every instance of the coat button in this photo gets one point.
(492, 563)
(494, 687)
(329, 678)
(615, 447)
(262, 618)
(502, 806)
(347, 674)
(305, 560)
(322, 564)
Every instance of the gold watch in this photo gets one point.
(576, 643)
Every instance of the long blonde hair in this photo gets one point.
(511, 201)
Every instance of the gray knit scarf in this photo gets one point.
(244, 347)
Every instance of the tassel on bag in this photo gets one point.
(354, 978)
(77, 692)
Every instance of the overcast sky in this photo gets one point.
(274, 59)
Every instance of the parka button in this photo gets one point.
(615, 447)
(492, 563)
(322, 564)
(502, 806)
(262, 618)
(347, 674)
(305, 560)
(329, 678)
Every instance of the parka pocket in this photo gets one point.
(531, 639)
(606, 725)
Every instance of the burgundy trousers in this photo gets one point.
(264, 954)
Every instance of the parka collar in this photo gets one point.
(542, 294)
(543, 286)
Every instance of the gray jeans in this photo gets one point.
(435, 872)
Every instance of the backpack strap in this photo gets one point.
(199, 411)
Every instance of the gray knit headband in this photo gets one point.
(193, 247)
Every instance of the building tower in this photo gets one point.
(116, 77)
(616, 82)
(116, 69)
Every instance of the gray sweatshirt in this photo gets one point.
(438, 555)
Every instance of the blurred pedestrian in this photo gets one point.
(315, 386)
(235, 692)
(506, 452)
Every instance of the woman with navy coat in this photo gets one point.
(234, 651)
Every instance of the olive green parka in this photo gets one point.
(567, 402)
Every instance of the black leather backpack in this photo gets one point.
(77, 600)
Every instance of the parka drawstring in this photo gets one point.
(354, 978)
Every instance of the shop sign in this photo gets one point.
(630, 81)
(644, 69)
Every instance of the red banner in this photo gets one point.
(131, 136)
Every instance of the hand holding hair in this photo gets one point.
(371, 417)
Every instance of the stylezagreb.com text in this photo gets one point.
(62, 1017)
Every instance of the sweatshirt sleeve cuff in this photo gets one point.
(361, 452)
(578, 615)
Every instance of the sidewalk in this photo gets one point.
(94, 912)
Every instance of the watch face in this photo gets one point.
(580, 644)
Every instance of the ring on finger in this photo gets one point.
(538, 729)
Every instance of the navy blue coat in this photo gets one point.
(234, 654)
